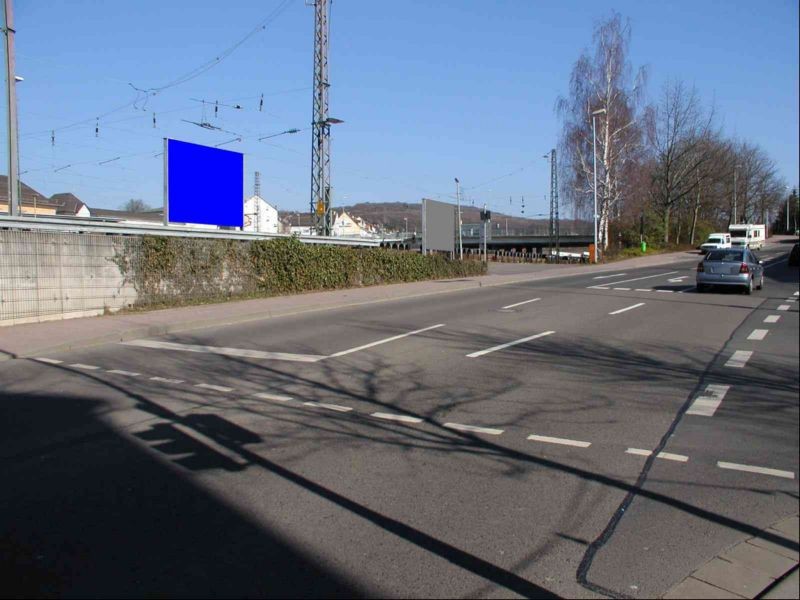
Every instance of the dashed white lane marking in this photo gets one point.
(121, 372)
(216, 388)
(384, 341)
(640, 278)
(791, 300)
(241, 352)
(401, 418)
(796, 294)
(598, 287)
(473, 428)
(561, 441)
(86, 367)
(643, 290)
(664, 455)
(49, 361)
(665, 291)
(627, 308)
(521, 303)
(758, 334)
(609, 276)
(772, 318)
(739, 359)
(166, 380)
(509, 344)
(783, 307)
(678, 279)
(707, 405)
(210, 443)
(335, 407)
(623, 289)
(276, 397)
(760, 470)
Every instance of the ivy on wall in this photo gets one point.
(173, 270)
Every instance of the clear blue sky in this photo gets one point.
(428, 91)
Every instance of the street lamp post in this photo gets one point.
(735, 169)
(594, 158)
(458, 224)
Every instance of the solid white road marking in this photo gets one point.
(561, 441)
(758, 334)
(622, 310)
(86, 367)
(335, 407)
(751, 469)
(276, 397)
(623, 289)
(598, 287)
(216, 388)
(166, 380)
(664, 455)
(241, 352)
(509, 344)
(49, 361)
(609, 276)
(772, 318)
(384, 341)
(120, 372)
(473, 428)
(706, 405)
(739, 359)
(784, 307)
(401, 418)
(640, 278)
(521, 303)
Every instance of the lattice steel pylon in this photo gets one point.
(555, 227)
(321, 124)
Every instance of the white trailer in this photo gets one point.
(748, 235)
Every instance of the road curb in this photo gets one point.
(752, 568)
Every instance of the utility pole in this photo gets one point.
(14, 207)
(321, 125)
(485, 234)
(735, 169)
(458, 219)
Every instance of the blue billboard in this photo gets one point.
(203, 185)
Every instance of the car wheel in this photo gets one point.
(760, 283)
(749, 288)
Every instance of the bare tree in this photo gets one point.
(601, 82)
(135, 205)
(677, 129)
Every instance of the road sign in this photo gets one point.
(486, 215)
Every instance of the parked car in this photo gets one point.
(730, 267)
(716, 241)
(794, 255)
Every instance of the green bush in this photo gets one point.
(173, 270)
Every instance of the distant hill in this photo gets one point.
(392, 215)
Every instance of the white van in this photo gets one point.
(716, 241)
(748, 235)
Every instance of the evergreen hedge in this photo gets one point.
(173, 270)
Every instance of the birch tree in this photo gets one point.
(603, 82)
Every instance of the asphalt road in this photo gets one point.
(486, 443)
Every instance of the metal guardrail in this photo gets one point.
(84, 225)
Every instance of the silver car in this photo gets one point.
(730, 267)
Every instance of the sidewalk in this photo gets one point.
(20, 341)
(753, 568)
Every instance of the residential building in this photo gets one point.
(260, 215)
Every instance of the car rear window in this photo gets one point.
(714, 240)
(725, 255)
